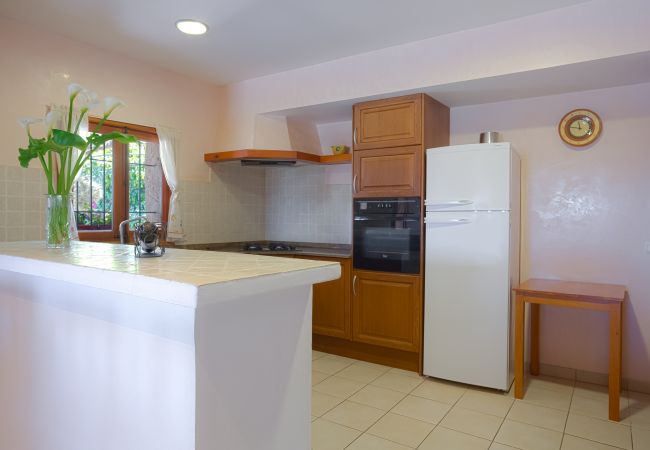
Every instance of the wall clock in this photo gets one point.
(580, 127)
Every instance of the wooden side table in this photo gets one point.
(569, 294)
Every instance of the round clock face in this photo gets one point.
(580, 127)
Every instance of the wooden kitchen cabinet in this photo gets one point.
(392, 122)
(388, 172)
(331, 312)
(386, 309)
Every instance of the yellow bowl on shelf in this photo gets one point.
(339, 149)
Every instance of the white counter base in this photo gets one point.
(87, 368)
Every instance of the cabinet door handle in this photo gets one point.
(354, 286)
(354, 136)
(354, 184)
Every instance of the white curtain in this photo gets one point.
(169, 144)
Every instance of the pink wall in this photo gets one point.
(585, 213)
(31, 67)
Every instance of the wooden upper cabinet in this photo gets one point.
(393, 122)
(386, 309)
(387, 172)
(331, 313)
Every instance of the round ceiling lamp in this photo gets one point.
(193, 27)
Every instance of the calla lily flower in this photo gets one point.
(111, 104)
(25, 122)
(87, 100)
(52, 119)
(74, 89)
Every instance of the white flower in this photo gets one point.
(74, 89)
(52, 119)
(110, 104)
(87, 100)
(25, 122)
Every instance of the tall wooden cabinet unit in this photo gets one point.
(331, 300)
(392, 122)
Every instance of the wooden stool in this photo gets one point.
(600, 297)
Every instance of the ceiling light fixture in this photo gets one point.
(189, 26)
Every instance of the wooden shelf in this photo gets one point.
(284, 155)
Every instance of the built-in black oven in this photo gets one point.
(386, 234)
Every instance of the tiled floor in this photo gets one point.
(362, 406)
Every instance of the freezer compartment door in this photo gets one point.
(467, 297)
(468, 177)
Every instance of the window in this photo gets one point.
(120, 181)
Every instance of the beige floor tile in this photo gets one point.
(397, 382)
(338, 387)
(377, 397)
(339, 358)
(360, 373)
(575, 443)
(639, 416)
(401, 429)
(602, 431)
(321, 403)
(550, 383)
(590, 406)
(331, 436)
(370, 442)
(317, 377)
(408, 373)
(640, 438)
(548, 398)
(589, 390)
(439, 391)
(497, 446)
(328, 365)
(472, 422)
(488, 403)
(421, 409)
(315, 354)
(540, 416)
(354, 415)
(376, 366)
(528, 437)
(446, 439)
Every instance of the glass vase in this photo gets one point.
(60, 223)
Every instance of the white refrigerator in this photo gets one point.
(472, 263)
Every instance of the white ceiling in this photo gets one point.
(251, 38)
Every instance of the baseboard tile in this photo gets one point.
(587, 376)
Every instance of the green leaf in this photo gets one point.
(67, 139)
(98, 139)
(25, 155)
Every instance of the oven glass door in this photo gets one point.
(388, 243)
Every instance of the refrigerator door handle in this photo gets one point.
(446, 222)
(448, 204)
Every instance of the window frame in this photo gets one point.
(120, 178)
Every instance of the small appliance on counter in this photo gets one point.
(148, 239)
(471, 262)
(270, 247)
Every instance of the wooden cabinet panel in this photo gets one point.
(386, 309)
(331, 315)
(391, 122)
(388, 172)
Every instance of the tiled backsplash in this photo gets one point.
(230, 207)
(302, 206)
(22, 203)
(238, 204)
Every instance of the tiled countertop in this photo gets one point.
(179, 273)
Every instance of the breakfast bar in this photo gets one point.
(193, 350)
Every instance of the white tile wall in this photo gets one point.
(22, 203)
(302, 206)
(230, 207)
